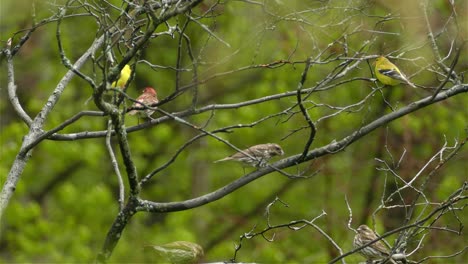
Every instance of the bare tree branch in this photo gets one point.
(36, 130)
(12, 96)
(115, 165)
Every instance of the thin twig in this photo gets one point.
(304, 111)
(115, 165)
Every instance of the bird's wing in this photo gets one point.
(148, 100)
(235, 156)
(257, 151)
(394, 73)
(238, 155)
(136, 105)
(140, 100)
(380, 246)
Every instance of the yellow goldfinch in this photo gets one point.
(123, 77)
(120, 83)
(388, 74)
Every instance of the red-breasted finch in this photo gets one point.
(148, 97)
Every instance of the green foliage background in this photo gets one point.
(67, 197)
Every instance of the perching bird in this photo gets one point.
(389, 74)
(259, 155)
(148, 97)
(377, 250)
(180, 252)
(123, 77)
(121, 81)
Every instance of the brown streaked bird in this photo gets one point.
(259, 155)
(374, 251)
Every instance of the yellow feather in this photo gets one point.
(123, 78)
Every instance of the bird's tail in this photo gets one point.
(398, 258)
(411, 84)
(221, 160)
(406, 80)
